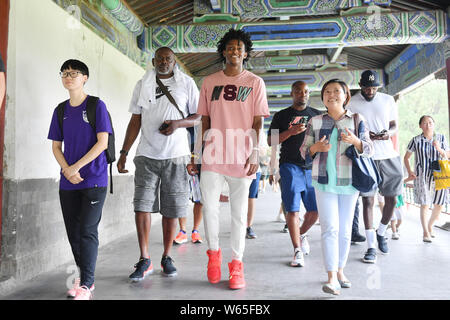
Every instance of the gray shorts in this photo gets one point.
(391, 173)
(165, 179)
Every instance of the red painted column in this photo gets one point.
(4, 23)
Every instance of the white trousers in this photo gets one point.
(211, 184)
(336, 218)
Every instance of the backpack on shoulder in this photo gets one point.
(91, 108)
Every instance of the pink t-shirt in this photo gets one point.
(231, 103)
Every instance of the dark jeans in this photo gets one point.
(355, 226)
(82, 211)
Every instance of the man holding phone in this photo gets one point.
(380, 112)
(160, 107)
(288, 127)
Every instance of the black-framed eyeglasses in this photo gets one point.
(72, 74)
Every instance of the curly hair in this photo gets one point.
(233, 34)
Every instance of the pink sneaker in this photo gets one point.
(83, 293)
(73, 292)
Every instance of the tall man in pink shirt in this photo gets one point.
(232, 103)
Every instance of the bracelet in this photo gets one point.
(195, 156)
(124, 152)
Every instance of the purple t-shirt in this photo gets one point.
(79, 138)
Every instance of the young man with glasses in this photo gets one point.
(84, 174)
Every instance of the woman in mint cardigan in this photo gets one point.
(326, 138)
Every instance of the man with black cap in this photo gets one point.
(380, 112)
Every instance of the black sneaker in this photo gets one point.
(370, 256)
(382, 244)
(143, 268)
(168, 269)
(357, 237)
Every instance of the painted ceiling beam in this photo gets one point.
(348, 31)
(121, 12)
(279, 8)
(333, 54)
(425, 61)
(99, 19)
(296, 62)
(215, 5)
(280, 83)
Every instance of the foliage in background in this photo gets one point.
(428, 99)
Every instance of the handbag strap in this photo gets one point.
(356, 124)
(168, 95)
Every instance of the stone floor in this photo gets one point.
(412, 270)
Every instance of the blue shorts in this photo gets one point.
(253, 193)
(295, 186)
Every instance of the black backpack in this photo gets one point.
(91, 107)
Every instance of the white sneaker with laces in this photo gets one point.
(73, 291)
(304, 244)
(298, 260)
(76, 284)
(83, 293)
(395, 236)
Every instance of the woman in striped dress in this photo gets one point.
(427, 147)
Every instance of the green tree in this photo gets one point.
(428, 99)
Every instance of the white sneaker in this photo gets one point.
(281, 218)
(395, 236)
(304, 244)
(298, 260)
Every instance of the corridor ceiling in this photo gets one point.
(199, 64)
(331, 38)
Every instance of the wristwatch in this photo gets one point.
(124, 152)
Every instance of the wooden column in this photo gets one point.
(4, 23)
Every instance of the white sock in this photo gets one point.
(381, 229)
(370, 235)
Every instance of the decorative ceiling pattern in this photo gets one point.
(311, 40)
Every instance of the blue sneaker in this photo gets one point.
(382, 244)
(370, 256)
(250, 233)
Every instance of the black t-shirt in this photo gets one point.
(290, 148)
(2, 66)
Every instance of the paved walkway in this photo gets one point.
(412, 270)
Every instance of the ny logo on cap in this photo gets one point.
(371, 77)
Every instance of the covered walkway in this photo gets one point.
(412, 270)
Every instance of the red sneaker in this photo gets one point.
(214, 264)
(196, 237)
(237, 280)
(181, 237)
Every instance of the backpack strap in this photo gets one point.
(91, 111)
